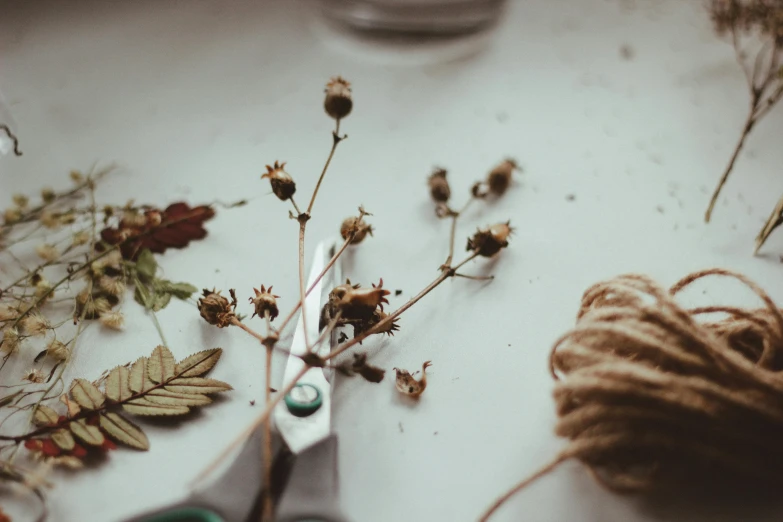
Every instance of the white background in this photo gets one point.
(191, 99)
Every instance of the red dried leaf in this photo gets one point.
(79, 451)
(174, 227)
(49, 448)
(108, 445)
(33, 444)
(93, 420)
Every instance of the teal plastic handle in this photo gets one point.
(189, 514)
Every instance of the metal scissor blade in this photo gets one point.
(302, 431)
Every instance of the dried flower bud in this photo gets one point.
(34, 375)
(47, 252)
(361, 326)
(113, 320)
(34, 324)
(12, 215)
(366, 298)
(133, 219)
(499, 178)
(49, 220)
(439, 186)
(7, 313)
(264, 302)
(68, 218)
(81, 238)
(43, 288)
(489, 241)
(112, 285)
(93, 308)
(216, 309)
(21, 201)
(408, 385)
(48, 195)
(76, 176)
(57, 350)
(11, 340)
(338, 102)
(282, 183)
(355, 228)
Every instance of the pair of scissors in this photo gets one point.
(305, 479)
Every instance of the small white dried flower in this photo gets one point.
(7, 313)
(34, 375)
(20, 200)
(112, 285)
(50, 220)
(12, 215)
(11, 340)
(81, 238)
(34, 324)
(47, 252)
(113, 320)
(42, 288)
(57, 350)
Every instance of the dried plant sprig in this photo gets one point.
(348, 304)
(760, 20)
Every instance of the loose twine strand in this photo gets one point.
(650, 394)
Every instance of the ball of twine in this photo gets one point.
(651, 394)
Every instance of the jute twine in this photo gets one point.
(651, 394)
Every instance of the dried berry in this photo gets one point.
(499, 178)
(282, 183)
(439, 186)
(489, 241)
(216, 309)
(355, 228)
(407, 384)
(338, 102)
(264, 302)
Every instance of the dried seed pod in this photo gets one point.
(359, 327)
(356, 227)
(282, 183)
(499, 178)
(264, 302)
(439, 186)
(48, 195)
(407, 384)
(489, 241)
(216, 309)
(20, 200)
(12, 215)
(338, 101)
(49, 220)
(370, 298)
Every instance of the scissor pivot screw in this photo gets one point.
(303, 400)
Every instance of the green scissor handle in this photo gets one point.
(186, 514)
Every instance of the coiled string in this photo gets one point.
(650, 394)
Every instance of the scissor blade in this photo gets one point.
(301, 432)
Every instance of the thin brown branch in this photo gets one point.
(302, 290)
(749, 122)
(267, 514)
(336, 139)
(13, 138)
(740, 55)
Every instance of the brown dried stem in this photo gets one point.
(13, 138)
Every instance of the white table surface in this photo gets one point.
(191, 99)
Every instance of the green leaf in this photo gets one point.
(199, 363)
(86, 394)
(160, 300)
(144, 407)
(161, 365)
(117, 384)
(45, 416)
(124, 431)
(169, 398)
(91, 435)
(146, 266)
(197, 385)
(139, 379)
(141, 296)
(179, 290)
(63, 439)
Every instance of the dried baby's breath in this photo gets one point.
(47, 252)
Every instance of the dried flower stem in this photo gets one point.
(452, 237)
(336, 139)
(13, 138)
(267, 514)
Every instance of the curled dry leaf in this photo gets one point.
(407, 384)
